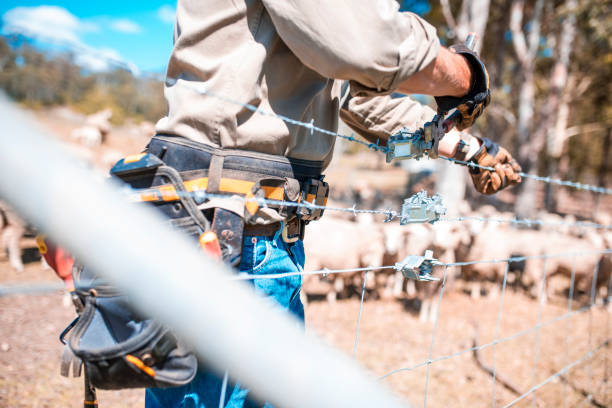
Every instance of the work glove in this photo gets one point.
(470, 106)
(506, 171)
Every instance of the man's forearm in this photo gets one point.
(448, 75)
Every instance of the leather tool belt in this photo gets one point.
(172, 170)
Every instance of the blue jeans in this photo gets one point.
(260, 256)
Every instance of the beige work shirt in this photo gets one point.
(290, 58)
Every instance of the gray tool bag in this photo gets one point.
(118, 347)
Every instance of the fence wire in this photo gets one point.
(564, 370)
(376, 147)
(391, 215)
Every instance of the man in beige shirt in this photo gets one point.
(312, 61)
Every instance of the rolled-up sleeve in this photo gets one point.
(368, 42)
(376, 118)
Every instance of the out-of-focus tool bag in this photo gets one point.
(120, 348)
(222, 172)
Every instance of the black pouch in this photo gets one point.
(121, 349)
(118, 347)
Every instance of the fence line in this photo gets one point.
(236, 329)
(590, 323)
(567, 323)
(537, 342)
(433, 335)
(363, 289)
(244, 276)
(30, 288)
(565, 369)
(497, 329)
(547, 180)
(325, 271)
(389, 214)
(536, 328)
(354, 387)
(201, 89)
(492, 343)
(310, 125)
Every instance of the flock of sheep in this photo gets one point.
(343, 241)
(340, 242)
(348, 242)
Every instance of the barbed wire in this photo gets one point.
(529, 222)
(308, 125)
(548, 180)
(375, 146)
(389, 214)
(80, 48)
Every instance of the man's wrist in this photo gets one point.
(464, 75)
(458, 145)
(474, 145)
(466, 147)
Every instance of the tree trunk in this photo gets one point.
(604, 168)
(526, 51)
(452, 180)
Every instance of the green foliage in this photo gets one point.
(38, 80)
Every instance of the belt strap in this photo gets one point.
(214, 174)
(167, 192)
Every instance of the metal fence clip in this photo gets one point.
(418, 267)
(420, 208)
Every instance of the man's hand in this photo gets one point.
(506, 171)
(470, 106)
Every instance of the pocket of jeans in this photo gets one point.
(261, 254)
(297, 254)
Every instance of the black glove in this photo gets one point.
(478, 97)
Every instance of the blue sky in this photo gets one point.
(136, 32)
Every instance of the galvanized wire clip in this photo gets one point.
(413, 145)
(418, 267)
(420, 208)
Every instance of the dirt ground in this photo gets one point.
(391, 337)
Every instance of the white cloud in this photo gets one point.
(57, 26)
(97, 60)
(103, 59)
(50, 22)
(166, 13)
(124, 25)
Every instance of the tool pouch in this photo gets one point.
(162, 186)
(120, 348)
